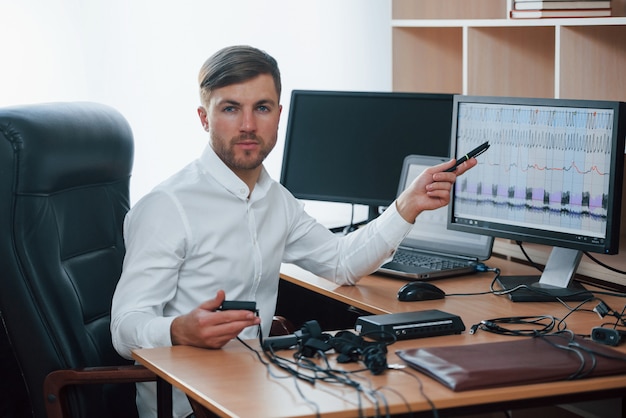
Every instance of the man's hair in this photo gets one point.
(233, 65)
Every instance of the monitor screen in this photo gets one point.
(552, 175)
(349, 146)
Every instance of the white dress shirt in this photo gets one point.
(199, 232)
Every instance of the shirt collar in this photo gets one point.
(214, 166)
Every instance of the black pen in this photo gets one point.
(473, 153)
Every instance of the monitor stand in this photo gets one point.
(555, 281)
(372, 212)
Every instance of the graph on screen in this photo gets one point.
(547, 166)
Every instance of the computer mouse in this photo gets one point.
(415, 291)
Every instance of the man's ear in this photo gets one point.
(204, 120)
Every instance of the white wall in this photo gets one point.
(142, 57)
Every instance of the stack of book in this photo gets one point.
(533, 9)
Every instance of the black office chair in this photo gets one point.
(64, 178)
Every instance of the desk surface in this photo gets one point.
(232, 382)
(377, 295)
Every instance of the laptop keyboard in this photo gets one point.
(423, 260)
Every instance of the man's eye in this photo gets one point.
(229, 109)
(263, 108)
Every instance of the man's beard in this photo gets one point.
(225, 150)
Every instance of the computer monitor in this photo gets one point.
(552, 175)
(348, 147)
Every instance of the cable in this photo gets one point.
(577, 308)
(538, 324)
(289, 374)
(351, 226)
(433, 408)
(606, 266)
(592, 258)
(352, 214)
(603, 310)
(578, 374)
(532, 263)
(577, 348)
(311, 342)
(481, 267)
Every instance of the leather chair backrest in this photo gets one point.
(64, 183)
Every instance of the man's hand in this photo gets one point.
(430, 190)
(207, 327)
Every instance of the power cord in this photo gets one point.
(603, 310)
(539, 325)
(606, 266)
(311, 342)
(520, 244)
(573, 346)
(602, 334)
(349, 347)
(481, 268)
(592, 258)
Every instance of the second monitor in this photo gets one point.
(348, 147)
(553, 175)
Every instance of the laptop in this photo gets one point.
(431, 250)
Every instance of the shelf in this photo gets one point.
(483, 11)
(428, 60)
(449, 9)
(562, 58)
(485, 23)
(458, 46)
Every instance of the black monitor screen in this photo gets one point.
(552, 175)
(349, 146)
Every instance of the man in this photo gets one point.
(221, 227)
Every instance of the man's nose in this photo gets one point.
(248, 121)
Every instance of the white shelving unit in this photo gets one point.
(474, 47)
(497, 55)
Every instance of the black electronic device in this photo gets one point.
(409, 325)
(607, 336)
(553, 176)
(311, 341)
(311, 330)
(348, 147)
(417, 291)
(233, 305)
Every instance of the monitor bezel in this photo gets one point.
(372, 201)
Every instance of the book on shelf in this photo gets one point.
(560, 1)
(558, 13)
(557, 4)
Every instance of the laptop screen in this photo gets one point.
(430, 230)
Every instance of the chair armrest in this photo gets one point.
(281, 326)
(56, 381)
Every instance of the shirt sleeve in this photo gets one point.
(155, 249)
(345, 259)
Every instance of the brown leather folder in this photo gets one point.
(524, 360)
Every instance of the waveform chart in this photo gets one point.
(546, 166)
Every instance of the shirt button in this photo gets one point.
(242, 191)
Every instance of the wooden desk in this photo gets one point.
(377, 295)
(232, 382)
